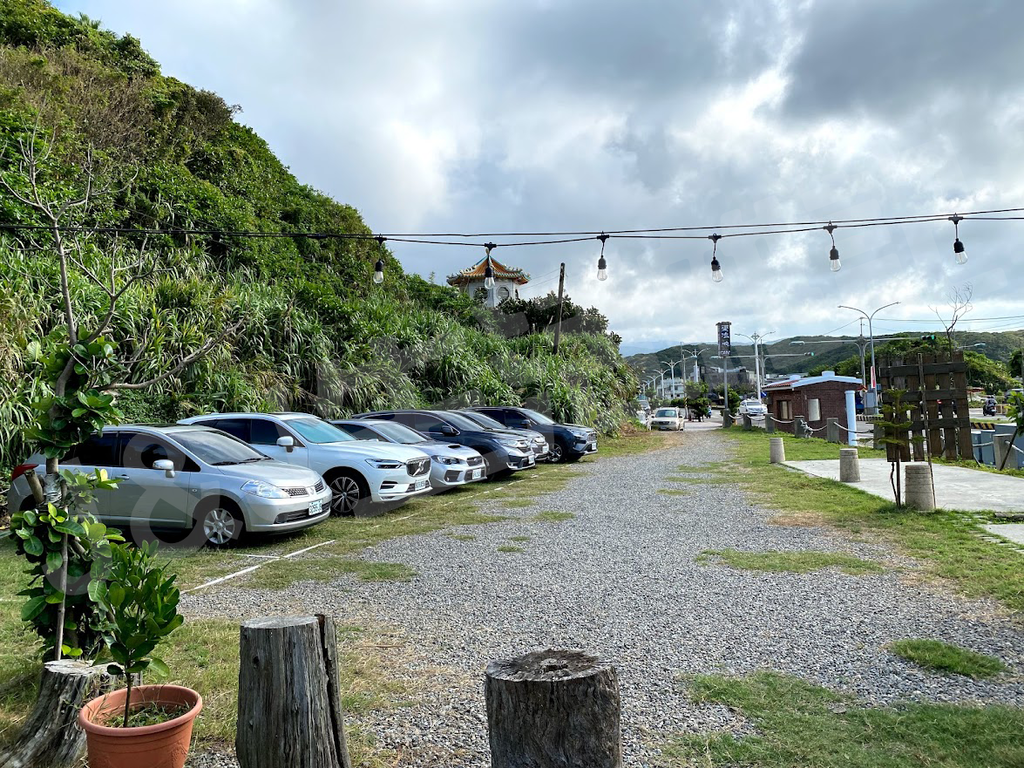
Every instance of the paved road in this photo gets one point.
(624, 579)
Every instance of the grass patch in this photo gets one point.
(462, 536)
(945, 657)
(510, 548)
(634, 442)
(800, 725)
(673, 492)
(946, 542)
(281, 574)
(791, 562)
(519, 538)
(552, 517)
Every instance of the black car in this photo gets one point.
(539, 443)
(502, 451)
(568, 442)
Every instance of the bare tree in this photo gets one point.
(959, 303)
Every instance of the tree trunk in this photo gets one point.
(289, 704)
(51, 737)
(553, 709)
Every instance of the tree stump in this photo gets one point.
(553, 709)
(51, 737)
(289, 703)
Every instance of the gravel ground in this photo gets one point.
(620, 580)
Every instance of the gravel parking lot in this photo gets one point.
(621, 579)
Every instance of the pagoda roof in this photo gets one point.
(500, 271)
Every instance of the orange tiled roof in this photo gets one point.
(476, 272)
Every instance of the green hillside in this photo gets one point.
(306, 326)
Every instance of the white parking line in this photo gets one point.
(267, 559)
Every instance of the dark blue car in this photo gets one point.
(567, 442)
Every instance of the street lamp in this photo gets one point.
(756, 339)
(672, 367)
(691, 354)
(871, 337)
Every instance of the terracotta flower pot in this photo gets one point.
(164, 745)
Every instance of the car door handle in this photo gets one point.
(123, 477)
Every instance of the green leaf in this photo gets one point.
(97, 591)
(159, 668)
(54, 560)
(54, 597)
(32, 608)
(116, 595)
(33, 546)
(114, 669)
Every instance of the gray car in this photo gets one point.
(451, 465)
(190, 478)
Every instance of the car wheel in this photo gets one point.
(220, 523)
(557, 452)
(350, 493)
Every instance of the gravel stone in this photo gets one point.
(620, 581)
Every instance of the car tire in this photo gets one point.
(219, 522)
(558, 452)
(350, 492)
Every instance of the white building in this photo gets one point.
(506, 281)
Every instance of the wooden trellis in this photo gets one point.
(933, 384)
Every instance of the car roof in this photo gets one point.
(165, 428)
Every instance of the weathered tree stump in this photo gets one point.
(289, 703)
(553, 709)
(51, 737)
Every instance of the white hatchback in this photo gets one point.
(668, 418)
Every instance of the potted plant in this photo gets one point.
(139, 726)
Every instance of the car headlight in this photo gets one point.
(445, 459)
(510, 442)
(385, 463)
(264, 490)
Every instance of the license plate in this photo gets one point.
(316, 507)
(476, 474)
(529, 459)
(419, 485)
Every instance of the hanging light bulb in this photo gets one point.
(716, 268)
(488, 272)
(833, 255)
(378, 268)
(602, 265)
(958, 248)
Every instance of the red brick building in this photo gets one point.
(815, 398)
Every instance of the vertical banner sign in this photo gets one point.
(724, 339)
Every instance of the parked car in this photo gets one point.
(191, 478)
(567, 442)
(502, 451)
(668, 418)
(451, 464)
(361, 475)
(538, 443)
(752, 407)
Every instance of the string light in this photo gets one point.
(716, 268)
(958, 247)
(833, 255)
(378, 269)
(488, 272)
(602, 265)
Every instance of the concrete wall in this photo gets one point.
(831, 396)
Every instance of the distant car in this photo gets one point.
(988, 408)
(451, 464)
(189, 477)
(567, 442)
(538, 443)
(363, 476)
(751, 407)
(503, 452)
(668, 418)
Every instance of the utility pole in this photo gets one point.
(561, 286)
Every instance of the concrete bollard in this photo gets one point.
(832, 431)
(776, 450)
(799, 427)
(849, 466)
(918, 487)
(1001, 446)
(727, 419)
(769, 424)
(747, 423)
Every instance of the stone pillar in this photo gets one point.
(799, 426)
(832, 431)
(747, 423)
(769, 424)
(1001, 446)
(851, 417)
(776, 450)
(918, 487)
(849, 466)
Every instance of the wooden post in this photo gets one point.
(50, 737)
(553, 709)
(561, 286)
(289, 705)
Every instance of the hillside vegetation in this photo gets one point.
(308, 329)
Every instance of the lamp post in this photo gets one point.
(691, 354)
(672, 367)
(873, 403)
(756, 339)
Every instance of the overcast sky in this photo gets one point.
(553, 115)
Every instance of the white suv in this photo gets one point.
(751, 407)
(360, 474)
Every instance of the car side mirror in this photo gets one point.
(448, 429)
(287, 442)
(164, 465)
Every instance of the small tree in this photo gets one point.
(895, 437)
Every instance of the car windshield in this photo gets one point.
(666, 412)
(399, 433)
(461, 422)
(540, 418)
(316, 431)
(486, 421)
(218, 449)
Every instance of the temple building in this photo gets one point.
(506, 281)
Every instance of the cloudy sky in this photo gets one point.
(566, 115)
